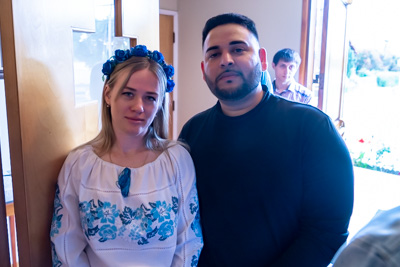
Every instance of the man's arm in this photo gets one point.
(327, 201)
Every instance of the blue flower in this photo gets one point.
(195, 261)
(139, 51)
(196, 227)
(161, 211)
(136, 233)
(87, 220)
(84, 206)
(107, 213)
(55, 224)
(139, 213)
(157, 57)
(169, 71)
(108, 67)
(121, 55)
(166, 230)
(146, 225)
(194, 206)
(57, 203)
(170, 86)
(107, 232)
(56, 261)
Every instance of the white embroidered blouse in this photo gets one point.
(157, 224)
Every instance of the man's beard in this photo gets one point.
(249, 84)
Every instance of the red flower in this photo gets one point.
(361, 140)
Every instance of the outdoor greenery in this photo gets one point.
(372, 90)
(363, 62)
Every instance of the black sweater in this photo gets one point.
(275, 185)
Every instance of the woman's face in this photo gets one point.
(134, 108)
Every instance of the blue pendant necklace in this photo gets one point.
(124, 181)
(124, 178)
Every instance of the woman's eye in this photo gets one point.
(129, 94)
(151, 98)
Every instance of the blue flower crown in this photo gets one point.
(139, 51)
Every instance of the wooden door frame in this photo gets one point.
(174, 14)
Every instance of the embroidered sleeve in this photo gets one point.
(67, 239)
(190, 240)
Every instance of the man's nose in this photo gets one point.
(226, 59)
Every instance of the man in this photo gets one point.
(274, 178)
(285, 64)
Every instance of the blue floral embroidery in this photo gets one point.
(139, 225)
(56, 261)
(175, 203)
(166, 230)
(196, 227)
(161, 211)
(195, 259)
(107, 213)
(88, 217)
(107, 232)
(194, 208)
(56, 220)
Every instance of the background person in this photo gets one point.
(285, 64)
(275, 179)
(376, 245)
(128, 197)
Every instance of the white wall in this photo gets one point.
(278, 25)
(169, 4)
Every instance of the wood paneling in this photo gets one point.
(166, 47)
(43, 121)
(4, 253)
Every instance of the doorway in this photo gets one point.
(356, 69)
(371, 93)
(168, 47)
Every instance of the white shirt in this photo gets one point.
(157, 224)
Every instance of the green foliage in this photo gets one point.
(360, 62)
(373, 155)
(386, 79)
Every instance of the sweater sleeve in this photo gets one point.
(190, 240)
(67, 238)
(327, 201)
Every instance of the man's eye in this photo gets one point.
(213, 55)
(238, 50)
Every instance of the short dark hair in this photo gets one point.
(228, 18)
(287, 55)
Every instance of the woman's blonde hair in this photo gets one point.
(156, 137)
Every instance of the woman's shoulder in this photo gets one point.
(178, 150)
(80, 154)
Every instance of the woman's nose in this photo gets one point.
(137, 105)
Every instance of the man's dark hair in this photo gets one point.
(287, 55)
(227, 19)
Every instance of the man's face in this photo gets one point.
(231, 66)
(285, 71)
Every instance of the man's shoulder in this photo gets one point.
(195, 122)
(199, 117)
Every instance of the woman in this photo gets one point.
(128, 197)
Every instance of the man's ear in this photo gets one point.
(202, 69)
(262, 53)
